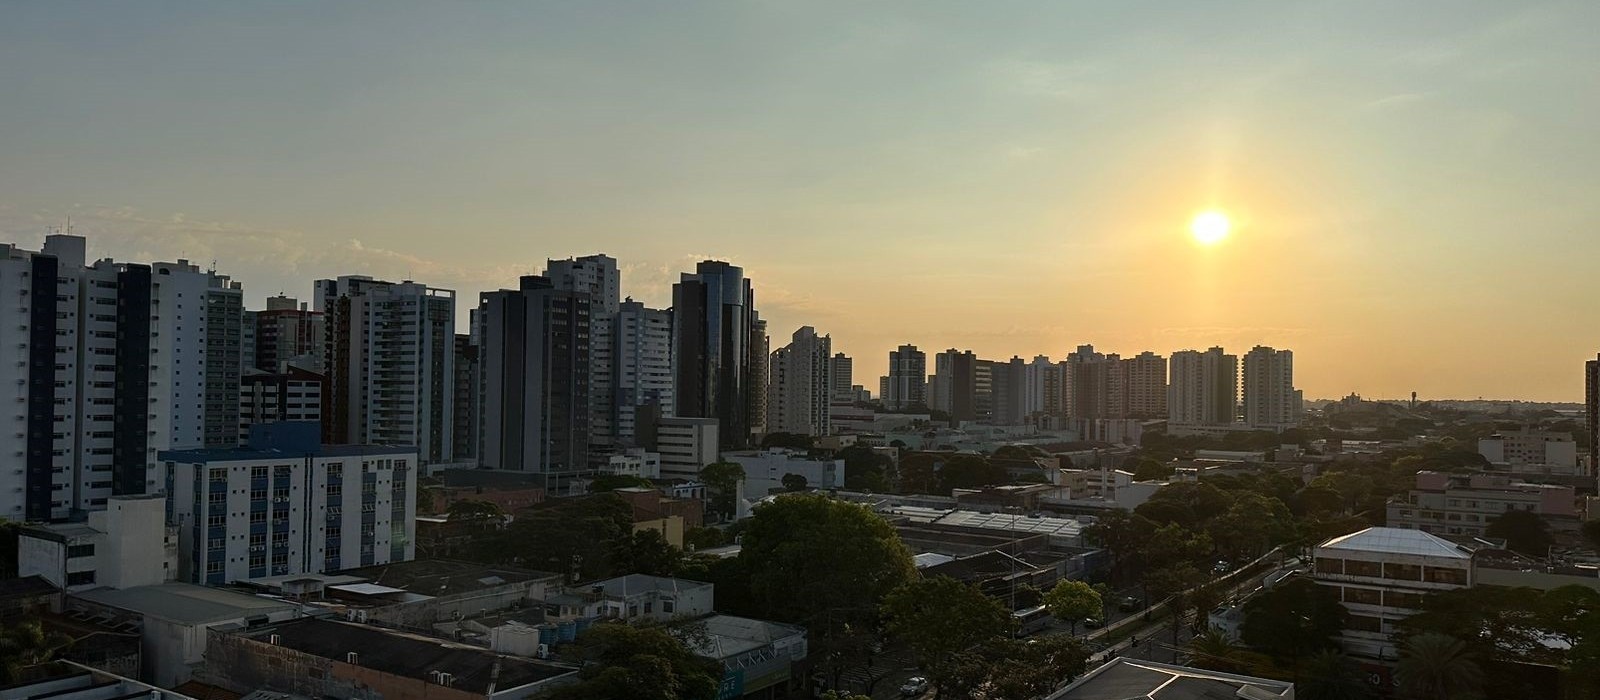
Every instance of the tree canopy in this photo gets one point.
(562, 535)
(808, 555)
(1073, 601)
(723, 479)
(1293, 620)
(939, 617)
(1524, 532)
(625, 662)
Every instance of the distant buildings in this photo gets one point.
(906, 383)
(1270, 399)
(535, 371)
(801, 385)
(287, 331)
(1591, 404)
(1204, 387)
(1465, 504)
(686, 445)
(643, 371)
(291, 394)
(597, 277)
(1139, 387)
(720, 349)
(1529, 450)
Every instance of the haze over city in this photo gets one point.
(1408, 191)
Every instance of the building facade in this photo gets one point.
(287, 504)
(717, 367)
(1465, 504)
(1381, 575)
(1203, 388)
(643, 373)
(1531, 450)
(391, 364)
(536, 382)
(686, 445)
(1270, 399)
(127, 544)
(906, 383)
(801, 385)
(288, 331)
(598, 277)
(291, 394)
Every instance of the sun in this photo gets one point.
(1210, 227)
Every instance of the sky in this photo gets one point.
(1412, 185)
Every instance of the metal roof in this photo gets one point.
(1133, 679)
(185, 603)
(1394, 540)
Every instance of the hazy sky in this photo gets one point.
(1417, 185)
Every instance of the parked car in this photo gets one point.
(1129, 603)
(913, 687)
(1222, 567)
(1093, 622)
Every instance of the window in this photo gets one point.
(1402, 572)
(219, 474)
(1326, 565)
(258, 472)
(1452, 576)
(669, 606)
(1364, 623)
(1357, 567)
(77, 551)
(80, 578)
(1363, 596)
(1401, 599)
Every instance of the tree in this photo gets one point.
(1148, 469)
(808, 555)
(1004, 669)
(1330, 675)
(939, 617)
(25, 644)
(612, 482)
(964, 471)
(623, 662)
(865, 469)
(1124, 536)
(574, 536)
(1073, 601)
(1213, 650)
(794, 482)
(697, 538)
(646, 552)
(1293, 620)
(1438, 667)
(917, 474)
(478, 514)
(723, 479)
(1524, 532)
(1319, 501)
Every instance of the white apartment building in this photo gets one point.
(635, 462)
(597, 276)
(764, 471)
(128, 544)
(391, 364)
(643, 372)
(1465, 504)
(1270, 399)
(1381, 575)
(1531, 450)
(108, 363)
(289, 505)
(801, 386)
(1203, 388)
(686, 445)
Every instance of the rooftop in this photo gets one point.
(726, 636)
(1394, 540)
(1132, 679)
(186, 603)
(65, 680)
(26, 586)
(633, 584)
(407, 655)
(442, 577)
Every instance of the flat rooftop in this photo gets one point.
(1132, 679)
(633, 584)
(185, 602)
(442, 577)
(407, 655)
(726, 636)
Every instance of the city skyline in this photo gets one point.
(1406, 188)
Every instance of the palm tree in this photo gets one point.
(1213, 650)
(1330, 675)
(1438, 667)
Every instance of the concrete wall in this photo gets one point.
(41, 557)
(422, 614)
(1532, 579)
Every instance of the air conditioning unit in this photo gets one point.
(543, 652)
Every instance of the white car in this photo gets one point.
(917, 685)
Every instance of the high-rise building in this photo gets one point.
(286, 504)
(1204, 387)
(1591, 402)
(468, 384)
(801, 387)
(390, 359)
(1270, 400)
(597, 276)
(110, 363)
(535, 368)
(759, 351)
(961, 385)
(1090, 382)
(941, 384)
(1141, 387)
(288, 331)
(643, 374)
(906, 383)
(294, 394)
(1042, 382)
(843, 370)
(714, 325)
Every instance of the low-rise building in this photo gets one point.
(686, 445)
(1381, 575)
(323, 658)
(1530, 450)
(1465, 504)
(672, 517)
(173, 620)
(632, 598)
(287, 504)
(1126, 678)
(764, 471)
(635, 462)
(67, 680)
(756, 656)
(127, 544)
